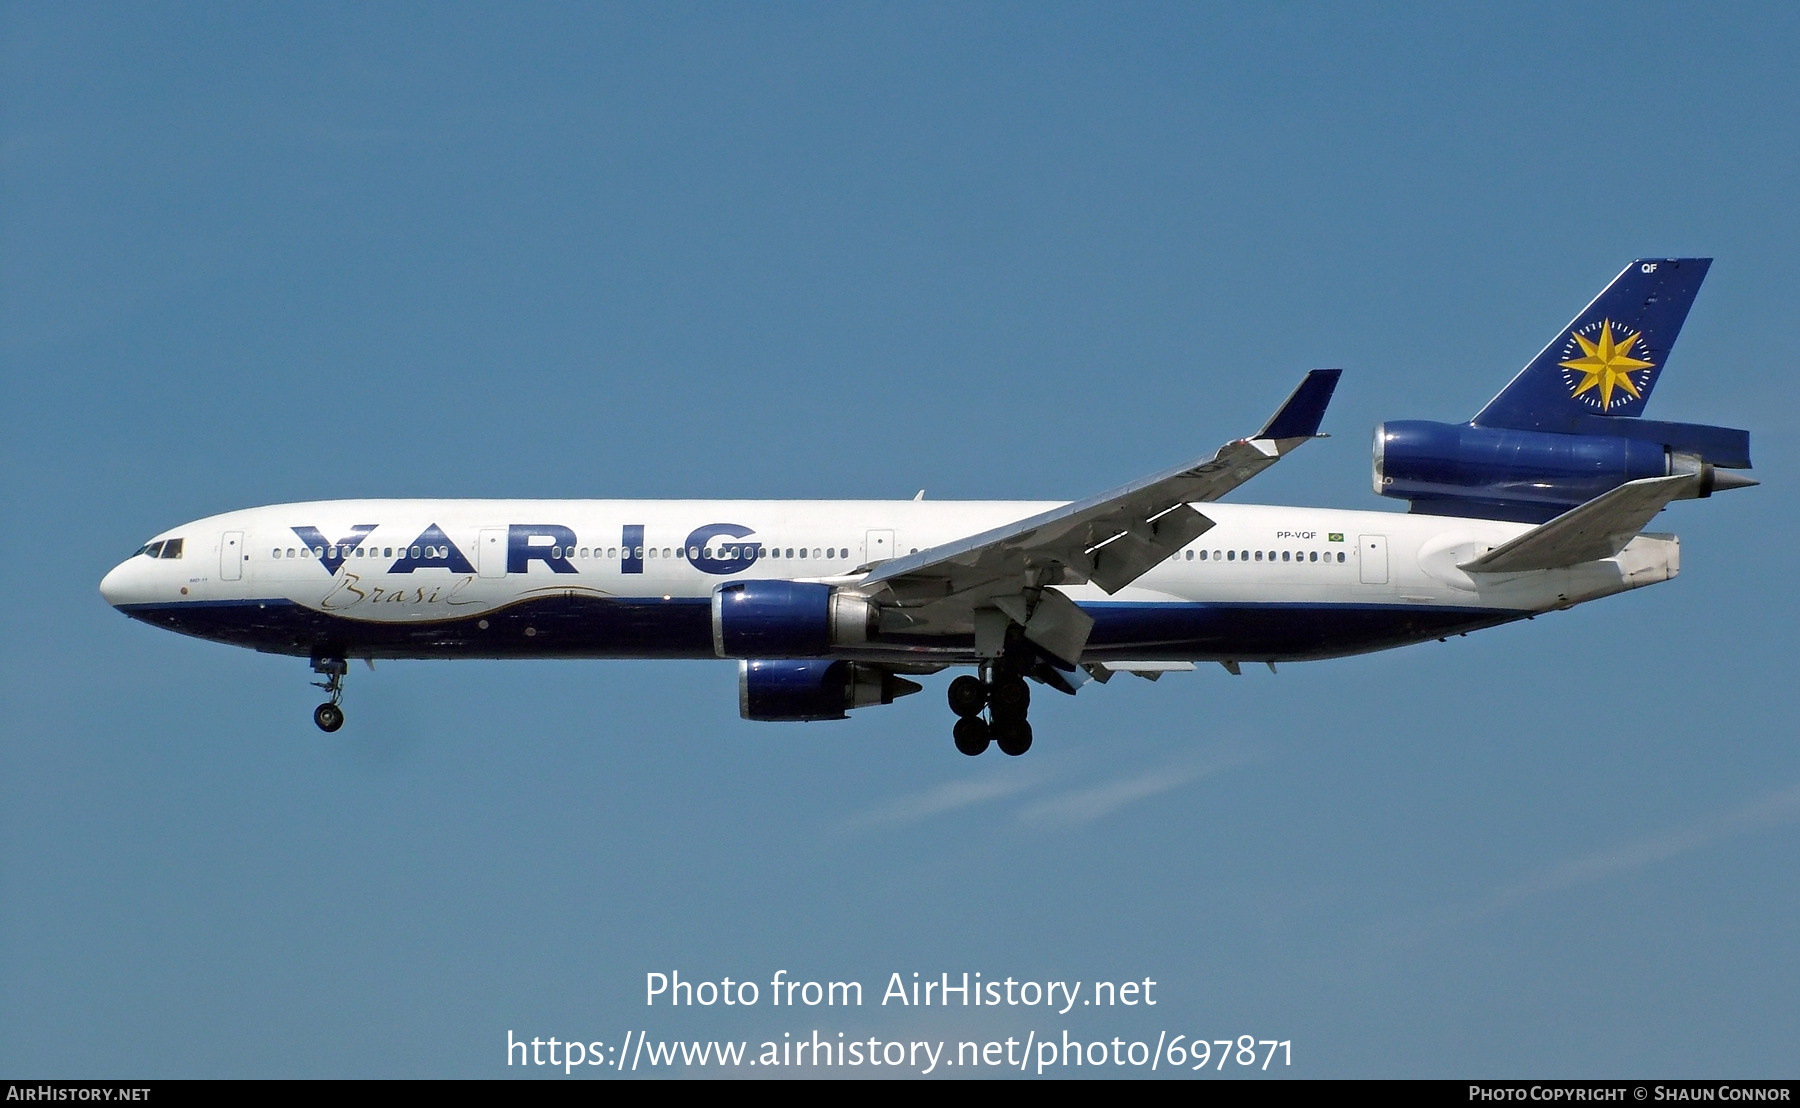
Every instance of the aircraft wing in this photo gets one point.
(1589, 532)
(1110, 540)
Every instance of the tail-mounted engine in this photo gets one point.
(1461, 469)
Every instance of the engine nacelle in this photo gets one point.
(1461, 469)
(813, 689)
(787, 619)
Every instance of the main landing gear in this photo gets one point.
(1005, 697)
(328, 715)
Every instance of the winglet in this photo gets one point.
(1300, 416)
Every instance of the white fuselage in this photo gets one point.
(612, 578)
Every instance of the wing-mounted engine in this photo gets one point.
(787, 619)
(786, 690)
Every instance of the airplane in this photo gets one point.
(1536, 504)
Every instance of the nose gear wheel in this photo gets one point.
(329, 716)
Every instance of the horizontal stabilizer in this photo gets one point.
(1588, 533)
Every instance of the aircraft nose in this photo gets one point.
(124, 584)
(110, 588)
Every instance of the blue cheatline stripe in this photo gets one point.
(651, 627)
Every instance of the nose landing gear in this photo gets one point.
(328, 715)
(1005, 697)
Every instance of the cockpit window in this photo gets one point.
(171, 549)
(151, 549)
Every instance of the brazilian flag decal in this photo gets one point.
(1335, 536)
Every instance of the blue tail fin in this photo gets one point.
(1606, 361)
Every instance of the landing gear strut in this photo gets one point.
(328, 715)
(1005, 697)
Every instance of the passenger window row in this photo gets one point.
(171, 548)
(727, 553)
(558, 552)
(359, 552)
(1261, 556)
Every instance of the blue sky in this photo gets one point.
(255, 254)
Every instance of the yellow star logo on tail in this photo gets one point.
(1607, 365)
